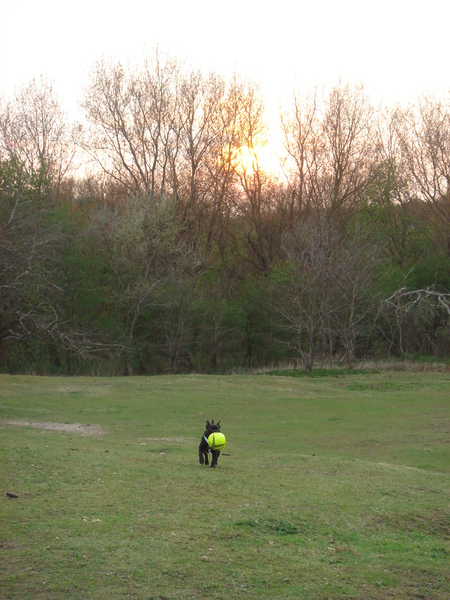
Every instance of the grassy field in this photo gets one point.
(330, 488)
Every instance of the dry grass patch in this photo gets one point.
(65, 427)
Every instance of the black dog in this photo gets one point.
(204, 449)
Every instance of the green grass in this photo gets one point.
(330, 488)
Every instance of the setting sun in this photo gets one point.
(261, 158)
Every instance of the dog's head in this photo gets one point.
(211, 427)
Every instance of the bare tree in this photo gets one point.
(222, 178)
(254, 197)
(304, 291)
(356, 268)
(134, 124)
(384, 191)
(200, 101)
(347, 129)
(301, 129)
(34, 131)
(423, 131)
(330, 149)
(415, 320)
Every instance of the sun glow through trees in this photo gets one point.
(249, 161)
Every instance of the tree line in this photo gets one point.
(156, 237)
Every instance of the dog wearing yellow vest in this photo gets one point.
(212, 442)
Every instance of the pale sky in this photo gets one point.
(397, 48)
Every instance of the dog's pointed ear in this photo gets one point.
(212, 422)
(207, 424)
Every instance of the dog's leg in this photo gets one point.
(215, 456)
(201, 460)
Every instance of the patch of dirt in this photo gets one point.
(65, 427)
